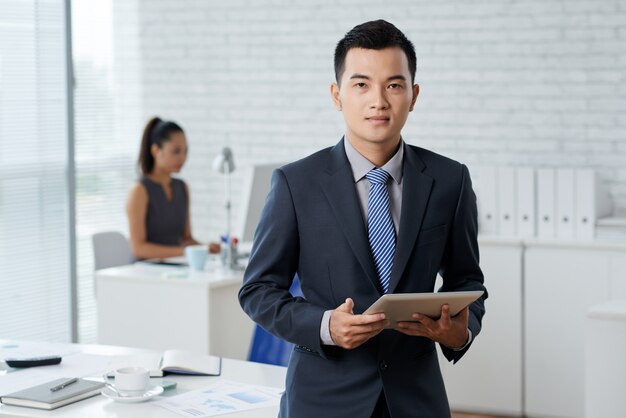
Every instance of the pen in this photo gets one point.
(64, 384)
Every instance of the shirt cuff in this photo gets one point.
(325, 329)
(469, 340)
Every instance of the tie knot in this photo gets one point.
(377, 176)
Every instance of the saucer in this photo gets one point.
(153, 390)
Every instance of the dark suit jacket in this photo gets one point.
(312, 225)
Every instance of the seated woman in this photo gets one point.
(158, 205)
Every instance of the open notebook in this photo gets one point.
(186, 362)
(180, 362)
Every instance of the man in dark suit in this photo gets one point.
(370, 215)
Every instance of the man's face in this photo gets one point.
(375, 95)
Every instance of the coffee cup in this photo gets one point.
(132, 379)
(196, 256)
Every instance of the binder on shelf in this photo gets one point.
(546, 203)
(592, 202)
(526, 208)
(484, 180)
(507, 204)
(565, 203)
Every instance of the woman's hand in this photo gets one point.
(214, 248)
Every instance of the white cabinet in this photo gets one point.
(529, 359)
(617, 276)
(561, 282)
(488, 378)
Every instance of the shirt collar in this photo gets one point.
(361, 165)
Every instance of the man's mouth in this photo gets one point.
(378, 120)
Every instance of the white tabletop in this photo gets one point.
(213, 276)
(100, 407)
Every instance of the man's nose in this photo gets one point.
(379, 99)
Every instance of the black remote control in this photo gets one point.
(32, 362)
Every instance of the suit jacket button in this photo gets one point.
(383, 365)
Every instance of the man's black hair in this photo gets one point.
(377, 34)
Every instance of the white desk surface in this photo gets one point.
(212, 277)
(101, 407)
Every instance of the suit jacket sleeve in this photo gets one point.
(460, 264)
(273, 263)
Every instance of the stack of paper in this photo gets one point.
(222, 397)
(611, 229)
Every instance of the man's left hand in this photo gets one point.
(447, 331)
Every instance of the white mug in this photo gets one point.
(196, 256)
(132, 379)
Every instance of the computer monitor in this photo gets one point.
(255, 190)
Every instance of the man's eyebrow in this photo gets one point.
(393, 77)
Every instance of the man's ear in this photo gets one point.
(416, 92)
(334, 93)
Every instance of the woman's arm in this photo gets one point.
(136, 209)
(187, 237)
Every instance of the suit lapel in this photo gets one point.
(338, 186)
(416, 189)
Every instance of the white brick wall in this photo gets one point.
(537, 82)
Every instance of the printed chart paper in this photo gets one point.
(222, 397)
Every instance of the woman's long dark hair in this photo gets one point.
(156, 132)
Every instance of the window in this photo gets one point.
(35, 300)
(107, 133)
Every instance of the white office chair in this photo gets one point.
(111, 249)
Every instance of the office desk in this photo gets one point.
(101, 407)
(160, 307)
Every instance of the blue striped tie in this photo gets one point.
(382, 235)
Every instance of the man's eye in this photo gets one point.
(360, 85)
(395, 86)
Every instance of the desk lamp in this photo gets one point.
(224, 164)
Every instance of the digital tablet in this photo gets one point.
(401, 306)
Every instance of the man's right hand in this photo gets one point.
(349, 330)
